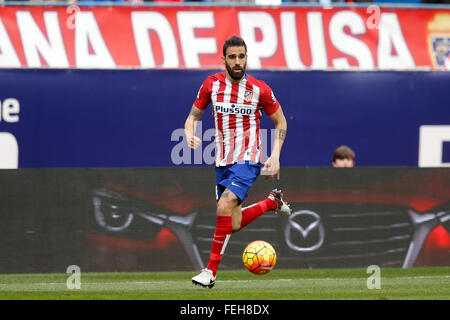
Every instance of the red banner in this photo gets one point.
(290, 38)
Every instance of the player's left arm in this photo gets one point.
(272, 164)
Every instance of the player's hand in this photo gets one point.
(271, 169)
(193, 142)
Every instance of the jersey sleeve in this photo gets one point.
(268, 101)
(204, 95)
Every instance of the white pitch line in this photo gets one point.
(332, 279)
(237, 281)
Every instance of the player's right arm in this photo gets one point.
(201, 102)
(190, 125)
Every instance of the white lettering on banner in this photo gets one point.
(142, 23)
(265, 36)
(8, 56)
(390, 36)
(265, 48)
(9, 151)
(9, 110)
(36, 45)
(87, 32)
(317, 40)
(191, 46)
(9, 148)
(348, 44)
(431, 139)
(291, 46)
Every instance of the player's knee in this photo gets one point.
(224, 208)
(235, 226)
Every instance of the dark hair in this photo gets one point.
(234, 41)
(343, 152)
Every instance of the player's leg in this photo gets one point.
(232, 185)
(227, 204)
(236, 218)
(238, 179)
(273, 202)
(231, 218)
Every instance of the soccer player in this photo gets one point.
(238, 101)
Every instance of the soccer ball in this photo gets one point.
(259, 257)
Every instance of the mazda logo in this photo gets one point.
(304, 231)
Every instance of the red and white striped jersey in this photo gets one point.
(237, 109)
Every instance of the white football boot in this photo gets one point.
(282, 207)
(205, 279)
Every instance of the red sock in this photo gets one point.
(252, 212)
(221, 236)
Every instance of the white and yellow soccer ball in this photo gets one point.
(259, 257)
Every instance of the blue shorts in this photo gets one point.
(238, 178)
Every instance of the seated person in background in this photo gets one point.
(343, 157)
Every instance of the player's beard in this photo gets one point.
(236, 75)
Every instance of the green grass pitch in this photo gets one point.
(396, 284)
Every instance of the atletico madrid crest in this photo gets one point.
(248, 95)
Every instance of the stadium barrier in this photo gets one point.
(162, 219)
(135, 118)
